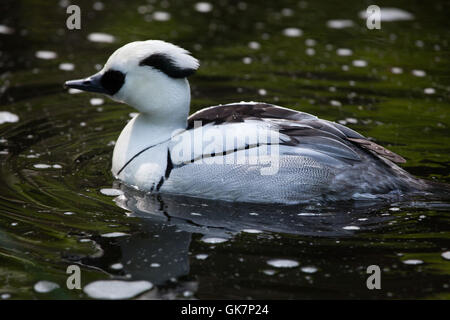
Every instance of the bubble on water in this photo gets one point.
(396, 70)
(66, 66)
(5, 29)
(203, 7)
(201, 256)
(155, 265)
(394, 209)
(253, 214)
(335, 103)
(6, 116)
(69, 213)
(446, 255)
(247, 60)
(42, 166)
(310, 42)
(5, 296)
(57, 166)
(114, 234)
(46, 54)
(116, 266)
(429, 91)
(251, 231)
(254, 45)
(99, 6)
(351, 228)
(161, 16)
(309, 269)
(344, 52)
(359, 63)
(390, 14)
(283, 263)
(14, 224)
(269, 272)
(213, 240)
(419, 73)
(262, 92)
(116, 289)
(111, 192)
(96, 101)
(413, 261)
(101, 37)
(310, 51)
(339, 24)
(74, 91)
(45, 286)
(287, 12)
(292, 32)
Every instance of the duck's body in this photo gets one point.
(249, 152)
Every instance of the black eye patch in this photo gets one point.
(112, 81)
(165, 64)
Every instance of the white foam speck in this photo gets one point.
(6, 116)
(66, 66)
(155, 265)
(310, 51)
(269, 272)
(42, 166)
(203, 7)
(96, 101)
(213, 240)
(344, 52)
(309, 269)
(413, 261)
(335, 103)
(292, 32)
(351, 228)
(56, 166)
(419, 73)
(253, 214)
(283, 263)
(429, 91)
(114, 234)
(116, 266)
(5, 29)
(101, 37)
(390, 14)
(446, 255)
(74, 91)
(359, 63)
(254, 45)
(161, 16)
(99, 6)
(310, 42)
(251, 231)
(45, 286)
(308, 214)
(116, 289)
(396, 70)
(339, 24)
(46, 55)
(69, 213)
(201, 256)
(394, 209)
(111, 192)
(262, 92)
(5, 296)
(247, 60)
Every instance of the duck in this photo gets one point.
(251, 152)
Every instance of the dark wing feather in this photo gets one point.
(301, 128)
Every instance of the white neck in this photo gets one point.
(152, 127)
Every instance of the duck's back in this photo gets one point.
(310, 159)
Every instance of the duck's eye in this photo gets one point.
(112, 81)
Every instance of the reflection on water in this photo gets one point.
(57, 205)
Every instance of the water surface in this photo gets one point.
(56, 208)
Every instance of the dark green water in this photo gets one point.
(38, 241)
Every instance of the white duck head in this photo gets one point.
(147, 75)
